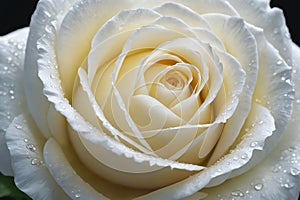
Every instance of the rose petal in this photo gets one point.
(64, 175)
(44, 22)
(12, 49)
(183, 13)
(271, 20)
(76, 33)
(220, 171)
(273, 92)
(25, 144)
(276, 177)
(241, 44)
(144, 157)
(201, 6)
(133, 19)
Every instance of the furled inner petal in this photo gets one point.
(219, 171)
(76, 32)
(241, 44)
(125, 21)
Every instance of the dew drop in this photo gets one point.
(279, 62)
(49, 28)
(237, 193)
(17, 126)
(47, 14)
(277, 168)
(77, 196)
(253, 144)
(31, 147)
(287, 185)
(26, 140)
(52, 76)
(257, 100)
(244, 156)
(261, 122)
(294, 172)
(258, 186)
(235, 158)
(36, 161)
(19, 46)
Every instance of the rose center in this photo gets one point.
(173, 80)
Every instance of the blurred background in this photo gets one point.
(15, 14)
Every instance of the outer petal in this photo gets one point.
(12, 49)
(277, 177)
(25, 144)
(63, 173)
(45, 18)
(220, 171)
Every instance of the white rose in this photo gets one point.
(148, 99)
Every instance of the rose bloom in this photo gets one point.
(151, 99)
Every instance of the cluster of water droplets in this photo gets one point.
(285, 173)
(31, 149)
(11, 70)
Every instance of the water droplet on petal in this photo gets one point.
(36, 161)
(244, 156)
(235, 158)
(17, 126)
(279, 62)
(294, 172)
(277, 168)
(31, 147)
(258, 186)
(253, 144)
(237, 193)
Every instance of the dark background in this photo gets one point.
(15, 14)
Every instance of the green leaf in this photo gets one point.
(9, 189)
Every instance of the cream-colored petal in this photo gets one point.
(87, 99)
(64, 175)
(209, 37)
(43, 22)
(76, 33)
(58, 126)
(275, 91)
(150, 114)
(234, 80)
(276, 177)
(271, 20)
(190, 17)
(25, 143)
(241, 44)
(125, 21)
(112, 147)
(12, 49)
(201, 6)
(220, 171)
